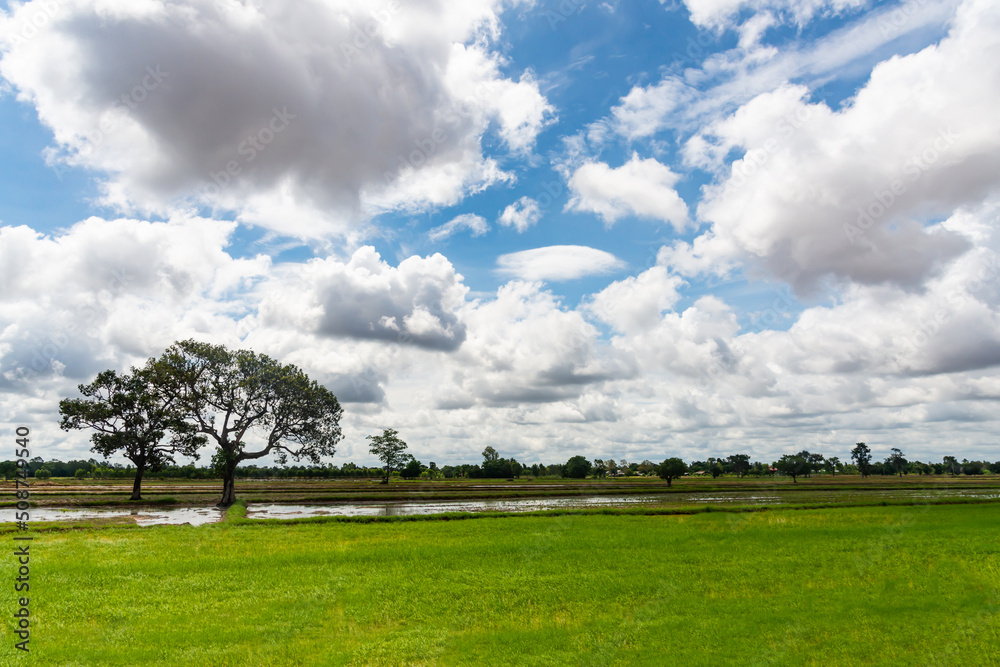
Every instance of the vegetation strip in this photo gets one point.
(236, 514)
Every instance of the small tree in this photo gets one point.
(8, 469)
(577, 467)
(792, 465)
(832, 464)
(952, 465)
(131, 416)
(389, 449)
(739, 463)
(862, 457)
(43, 473)
(412, 469)
(80, 474)
(671, 469)
(898, 462)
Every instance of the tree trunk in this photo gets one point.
(228, 486)
(137, 484)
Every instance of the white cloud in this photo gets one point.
(476, 224)
(851, 195)
(721, 13)
(366, 299)
(276, 112)
(114, 292)
(558, 262)
(637, 302)
(523, 213)
(644, 188)
(524, 349)
(713, 83)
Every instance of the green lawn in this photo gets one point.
(878, 585)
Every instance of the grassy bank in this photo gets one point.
(884, 585)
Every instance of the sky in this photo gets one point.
(618, 229)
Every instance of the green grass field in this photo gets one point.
(878, 585)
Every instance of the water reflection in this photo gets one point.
(195, 516)
(202, 515)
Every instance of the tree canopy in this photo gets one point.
(131, 414)
(577, 467)
(233, 396)
(390, 450)
(671, 469)
(862, 457)
(793, 465)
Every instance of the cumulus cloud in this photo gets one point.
(476, 224)
(366, 299)
(520, 215)
(114, 292)
(637, 302)
(644, 188)
(524, 348)
(313, 110)
(852, 195)
(558, 262)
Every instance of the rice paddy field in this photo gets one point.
(893, 584)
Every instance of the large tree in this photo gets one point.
(390, 450)
(235, 396)
(862, 457)
(131, 415)
(671, 469)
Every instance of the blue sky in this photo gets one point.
(693, 273)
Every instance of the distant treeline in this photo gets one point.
(500, 468)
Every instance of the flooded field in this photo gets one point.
(195, 516)
(202, 515)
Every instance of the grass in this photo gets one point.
(876, 585)
(849, 489)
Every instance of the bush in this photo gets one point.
(43, 473)
(80, 474)
(973, 468)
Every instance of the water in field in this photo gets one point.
(202, 515)
(278, 511)
(142, 516)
